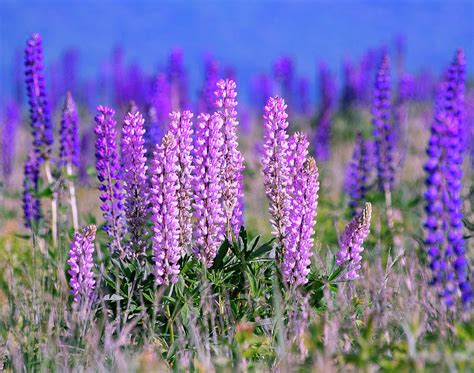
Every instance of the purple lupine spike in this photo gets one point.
(275, 166)
(69, 66)
(207, 98)
(85, 155)
(298, 145)
(181, 127)
(12, 118)
(232, 159)
(444, 237)
(31, 204)
(208, 213)
(400, 109)
(109, 175)
(262, 89)
(323, 125)
(351, 88)
(81, 263)
(165, 214)
(303, 95)
(41, 125)
(383, 129)
(283, 71)
(304, 200)
(135, 181)
(160, 107)
(178, 80)
(351, 241)
(69, 133)
(359, 173)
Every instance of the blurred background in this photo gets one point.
(246, 37)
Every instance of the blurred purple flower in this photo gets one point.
(383, 128)
(69, 133)
(31, 204)
(359, 173)
(12, 120)
(207, 97)
(322, 141)
(178, 80)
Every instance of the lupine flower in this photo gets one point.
(178, 80)
(110, 178)
(358, 173)
(351, 241)
(81, 262)
(207, 98)
(322, 141)
(42, 128)
(262, 88)
(135, 181)
(85, 156)
(165, 214)
(160, 107)
(12, 116)
(31, 204)
(283, 71)
(232, 160)
(298, 250)
(303, 96)
(351, 88)
(69, 136)
(181, 128)
(69, 66)
(298, 145)
(208, 213)
(383, 131)
(275, 166)
(444, 237)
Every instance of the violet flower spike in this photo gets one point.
(31, 204)
(135, 181)
(275, 166)
(444, 227)
(304, 201)
(69, 134)
(232, 160)
(81, 263)
(12, 120)
(209, 217)
(351, 241)
(41, 125)
(181, 128)
(165, 214)
(383, 129)
(109, 176)
(359, 173)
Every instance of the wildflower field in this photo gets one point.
(148, 227)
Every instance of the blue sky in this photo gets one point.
(246, 34)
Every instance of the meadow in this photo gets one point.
(145, 227)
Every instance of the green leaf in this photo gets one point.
(219, 259)
(262, 250)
